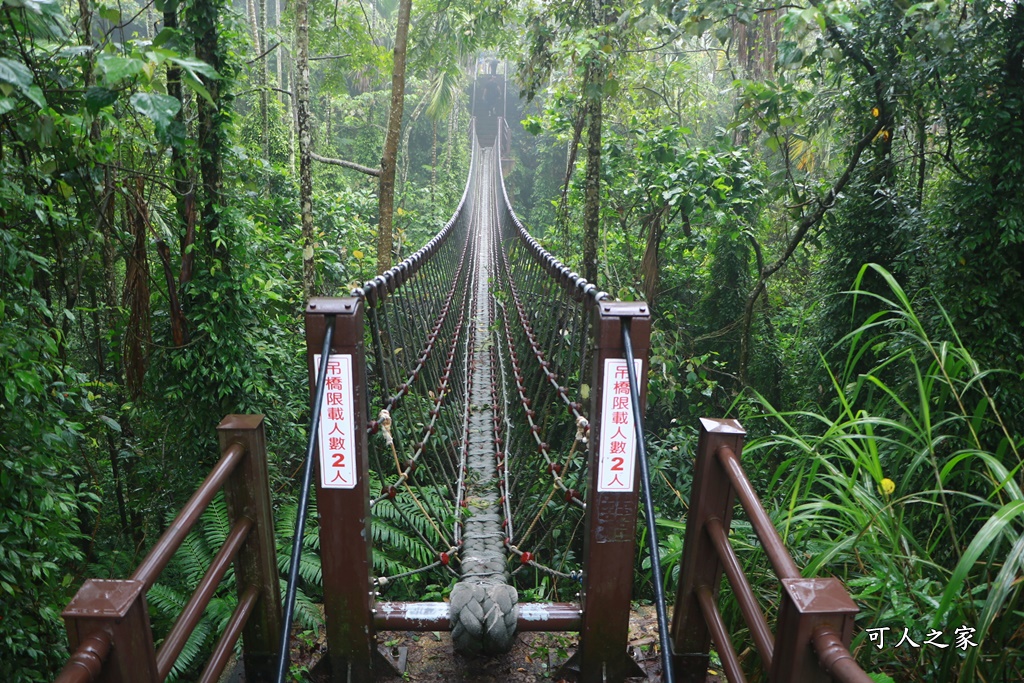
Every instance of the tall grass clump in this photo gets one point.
(907, 486)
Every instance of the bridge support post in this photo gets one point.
(247, 493)
(119, 609)
(611, 516)
(344, 505)
(712, 497)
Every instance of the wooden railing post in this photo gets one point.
(610, 522)
(118, 607)
(807, 605)
(247, 492)
(712, 497)
(342, 488)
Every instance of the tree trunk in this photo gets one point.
(404, 148)
(261, 75)
(279, 56)
(592, 192)
(305, 141)
(205, 19)
(254, 22)
(649, 266)
(433, 164)
(386, 194)
(184, 199)
(292, 109)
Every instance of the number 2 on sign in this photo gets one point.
(339, 459)
(617, 464)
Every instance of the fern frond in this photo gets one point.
(193, 557)
(166, 600)
(216, 525)
(194, 647)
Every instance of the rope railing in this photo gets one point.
(108, 621)
(572, 485)
(544, 349)
(391, 443)
(416, 326)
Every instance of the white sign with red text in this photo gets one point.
(617, 454)
(337, 424)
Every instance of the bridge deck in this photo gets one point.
(483, 603)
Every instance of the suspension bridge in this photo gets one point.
(486, 402)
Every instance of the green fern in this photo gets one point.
(181, 578)
(193, 559)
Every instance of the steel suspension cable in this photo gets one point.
(300, 518)
(645, 484)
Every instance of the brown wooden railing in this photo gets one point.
(108, 621)
(815, 616)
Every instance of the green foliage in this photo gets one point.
(42, 492)
(923, 418)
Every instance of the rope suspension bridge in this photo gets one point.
(486, 402)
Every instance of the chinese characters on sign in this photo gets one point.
(337, 424)
(963, 634)
(617, 455)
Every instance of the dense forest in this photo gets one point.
(822, 201)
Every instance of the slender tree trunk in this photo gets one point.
(184, 200)
(261, 74)
(305, 140)
(108, 258)
(254, 22)
(386, 194)
(922, 133)
(449, 143)
(407, 133)
(433, 164)
(649, 266)
(293, 112)
(328, 139)
(279, 53)
(592, 193)
(136, 294)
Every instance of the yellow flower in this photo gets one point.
(888, 486)
(874, 112)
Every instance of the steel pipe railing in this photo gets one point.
(782, 562)
(225, 647)
(107, 621)
(815, 620)
(759, 630)
(645, 485)
(154, 563)
(303, 511)
(193, 611)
